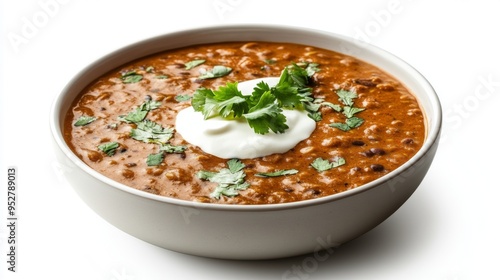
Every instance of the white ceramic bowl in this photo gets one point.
(243, 231)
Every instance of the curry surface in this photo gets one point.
(392, 132)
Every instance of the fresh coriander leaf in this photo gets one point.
(216, 72)
(192, 64)
(131, 77)
(278, 173)
(200, 97)
(171, 149)
(150, 132)
(205, 175)
(230, 101)
(150, 69)
(323, 164)
(229, 190)
(350, 111)
(182, 97)
(230, 180)
(150, 105)
(288, 96)
(263, 108)
(346, 97)
(84, 120)
(109, 148)
(354, 122)
(312, 68)
(341, 126)
(294, 75)
(161, 77)
(136, 116)
(225, 176)
(316, 116)
(266, 115)
(141, 112)
(312, 106)
(155, 159)
(335, 107)
(235, 165)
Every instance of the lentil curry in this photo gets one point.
(108, 120)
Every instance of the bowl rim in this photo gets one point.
(432, 133)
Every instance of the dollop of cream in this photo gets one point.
(235, 138)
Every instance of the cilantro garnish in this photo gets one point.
(323, 164)
(155, 159)
(216, 72)
(84, 120)
(347, 98)
(230, 180)
(140, 112)
(277, 173)
(171, 149)
(131, 77)
(193, 63)
(149, 131)
(263, 108)
(182, 97)
(109, 148)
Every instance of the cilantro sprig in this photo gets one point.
(323, 164)
(84, 120)
(149, 131)
(131, 77)
(277, 173)
(230, 180)
(349, 111)
(263, 109)
(109, 148)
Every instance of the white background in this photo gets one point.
(448, 230)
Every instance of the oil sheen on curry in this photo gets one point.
(245, 123)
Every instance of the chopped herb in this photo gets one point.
(216, 72)
(131, 77)
(341, 126)
(312, 68)
(109, 148)
(182, 97)
(349, 124)
(192, 64)
(150, 132)
(335, 107)
(150, 69)
(323, 164)
(350, 111)
(84, 120)
(316, 116)
(155, 159)
(278, 173)
(161, 77)
(140, 112)
(354, 122)
(263, 108)
(171, 149)
(347, 97)
(230, 180)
